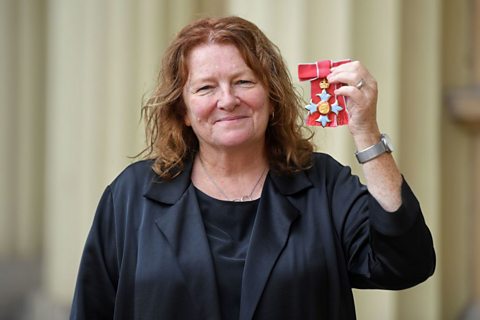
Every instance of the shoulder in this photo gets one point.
(136, 176)
(135, 171)
(327, 172)
(139, 182)
(321, 159)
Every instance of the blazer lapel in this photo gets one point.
(182, 225)
(270, 233)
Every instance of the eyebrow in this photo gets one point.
(244, 72)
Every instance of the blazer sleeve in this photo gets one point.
(383, 250)
(96, 285)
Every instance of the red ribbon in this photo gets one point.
(316, 73)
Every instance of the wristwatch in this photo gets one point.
(383, 146)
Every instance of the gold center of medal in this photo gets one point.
(324, 107)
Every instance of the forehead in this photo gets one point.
(214, 57)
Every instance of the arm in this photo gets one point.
(385, 238)
(382, 175)
(98, 273)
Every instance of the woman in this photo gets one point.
(234, 216)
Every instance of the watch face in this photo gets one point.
(387, 142)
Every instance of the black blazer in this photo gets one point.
(317, 234)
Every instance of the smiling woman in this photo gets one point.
(232, 215)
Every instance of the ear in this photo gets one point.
(186, 120)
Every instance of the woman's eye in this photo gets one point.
(204, 89)
(245, 82)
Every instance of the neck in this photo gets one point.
(230, 175)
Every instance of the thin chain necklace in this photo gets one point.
(243, 198)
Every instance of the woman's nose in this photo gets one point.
(227, 99)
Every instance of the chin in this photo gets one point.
(232, 142)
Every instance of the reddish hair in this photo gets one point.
(170, 142)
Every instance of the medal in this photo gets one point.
(325, 108)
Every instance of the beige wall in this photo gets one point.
(456, 181)
(72, 77)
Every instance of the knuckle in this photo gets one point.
(356, 63)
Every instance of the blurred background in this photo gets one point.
(74, 73)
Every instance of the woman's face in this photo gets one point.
(226, 104)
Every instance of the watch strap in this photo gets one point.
(372, 152)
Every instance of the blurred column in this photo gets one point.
(30, 127)
(21, 144)
(21, 128)
(463, 104)
(418, 121)
(67, 202)
(8, 118)
(80, 160)
(456, 158)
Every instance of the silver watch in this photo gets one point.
(383, 146)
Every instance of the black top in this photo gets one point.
(317, 234)
(228, 226)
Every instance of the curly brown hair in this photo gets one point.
(170, 142)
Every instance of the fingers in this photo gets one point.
(351, 92)
(352, 74)
(359, 84)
